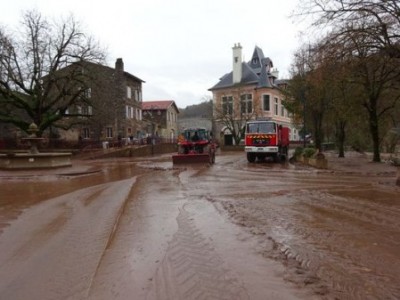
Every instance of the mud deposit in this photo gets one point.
(143, 229)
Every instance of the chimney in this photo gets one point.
(275, 73)
(237, 63)
(119, 65)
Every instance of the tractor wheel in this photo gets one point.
(251, 157)
(212, 158)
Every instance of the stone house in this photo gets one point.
(160, 119)
(113, 110)
(116, 110)
(251, 90)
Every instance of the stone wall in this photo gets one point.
(319, 161)
(145, 150)
(34, 161)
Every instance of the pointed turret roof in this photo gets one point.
(256, 71)
(255, 62)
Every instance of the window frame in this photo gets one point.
(227, 105)
(246, 103)
(85, 133)
(264, 99)
(109, 132)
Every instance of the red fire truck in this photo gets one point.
(266, 139)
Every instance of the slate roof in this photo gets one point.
(256, 71)
(111, 71)
(159, 105)
(257, 57)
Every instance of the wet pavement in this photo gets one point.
(143, 229)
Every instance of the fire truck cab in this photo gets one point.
(266, 139)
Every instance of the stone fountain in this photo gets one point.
(33, 139)
(34, 159)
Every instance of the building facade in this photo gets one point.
(160, 119)
(116, 98)
(250, 91)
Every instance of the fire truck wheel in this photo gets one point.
(251, 157)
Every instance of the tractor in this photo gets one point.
(195, 145)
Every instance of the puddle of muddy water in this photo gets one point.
(21, 192)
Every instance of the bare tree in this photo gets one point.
(378, 76)
(41, 77)
(234, 114)
(309, 89)
(368, 32)
(379, 20)
(343, 106)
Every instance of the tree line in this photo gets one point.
(346, 83)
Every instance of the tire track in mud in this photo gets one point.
(140, 239)
(313, 253)
(191, 268)
(270, 221)
(87, 239)
(370, 255)
(340, 247)
(326, 251)
(374, 216)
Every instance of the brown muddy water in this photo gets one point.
(143, 229)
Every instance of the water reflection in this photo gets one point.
(20, 193)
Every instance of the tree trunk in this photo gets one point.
(340, 136)
(237, 139)
(318, 133)
(374, 128)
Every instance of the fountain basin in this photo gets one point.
(40, 160)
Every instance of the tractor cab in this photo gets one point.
(196, 134)
(195, 145)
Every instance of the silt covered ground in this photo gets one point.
(144, 229)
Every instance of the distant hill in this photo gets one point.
(202, 110)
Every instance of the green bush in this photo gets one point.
(298, 151)
(309, 152)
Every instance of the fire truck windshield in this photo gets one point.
(261, 127)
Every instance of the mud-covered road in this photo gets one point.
(147, 230)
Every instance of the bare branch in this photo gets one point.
(41, 70)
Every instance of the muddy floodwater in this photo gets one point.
(145, 229)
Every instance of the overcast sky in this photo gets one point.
(180, 48)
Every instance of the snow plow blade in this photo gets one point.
(190, 158)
